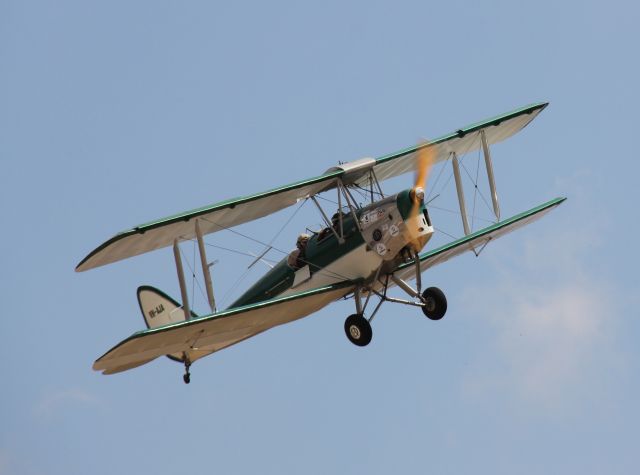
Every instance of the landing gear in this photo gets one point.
(432, 302)
(435, 303)
(358, 330)
(187, 375)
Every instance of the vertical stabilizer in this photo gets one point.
(158, 308)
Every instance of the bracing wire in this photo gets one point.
(282, 228)
(232, 289)
(327, 199)
(238, 233)
(444, 232)
(476, 186)
(366, 191)
(435, 183)
(193, 274)
(457, 213)
(229, 250)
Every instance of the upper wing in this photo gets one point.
(218, 216)
(161, 233)
(461, 141)
(204, 335)
(475, 240)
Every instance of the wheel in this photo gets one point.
(186, 378)
(358, 330)
(435, 303)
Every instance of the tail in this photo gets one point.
(158, 309)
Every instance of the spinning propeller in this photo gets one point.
(425, 158)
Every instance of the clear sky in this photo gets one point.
(116, 113)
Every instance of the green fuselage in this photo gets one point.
(321, 250)
(318, 254)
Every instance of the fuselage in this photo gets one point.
(385, 234)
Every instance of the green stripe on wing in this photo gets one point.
(465, 243)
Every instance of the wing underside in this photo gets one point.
(204, 335)
(477, 239)
(226, 214)
(460, 142)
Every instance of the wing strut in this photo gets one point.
(455, 163)
(183, 286)
(329, 224)
(205, 268)
(351, 202)
(460, 190)
(492, 181)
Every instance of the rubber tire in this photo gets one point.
(436, 303)
(358, 330)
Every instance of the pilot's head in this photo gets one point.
(302, 240)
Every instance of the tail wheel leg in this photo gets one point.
(187, 375)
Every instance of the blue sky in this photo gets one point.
(116, 113)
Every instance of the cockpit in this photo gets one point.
(335, 226)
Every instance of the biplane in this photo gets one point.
(361, 252)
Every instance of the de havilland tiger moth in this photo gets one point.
(363, 250)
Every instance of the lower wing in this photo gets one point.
(476, 240)
(201, 336)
